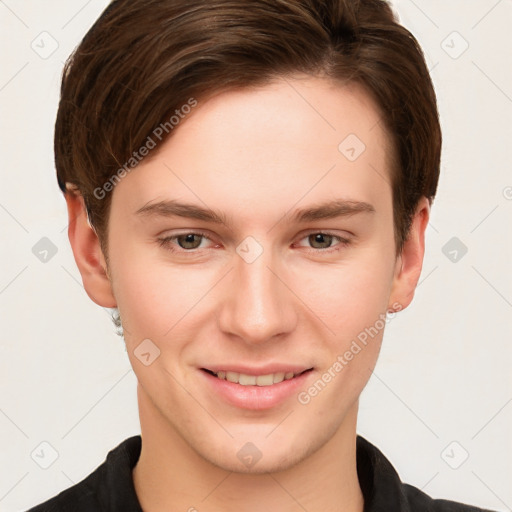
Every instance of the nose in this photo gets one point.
(257, 305)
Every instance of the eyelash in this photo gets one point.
(166, 242)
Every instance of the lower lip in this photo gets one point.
(256, 397)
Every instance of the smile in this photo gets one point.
(254, 380)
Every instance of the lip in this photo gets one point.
(255, 397)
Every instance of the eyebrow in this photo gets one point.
(332, 209)
(329, 210)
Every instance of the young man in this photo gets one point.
(249, 184)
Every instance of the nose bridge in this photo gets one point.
(257, 306)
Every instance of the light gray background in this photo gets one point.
(444, 371)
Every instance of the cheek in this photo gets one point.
(153, 296)
(351, 302)
(348, 296)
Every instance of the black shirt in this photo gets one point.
(109, 488)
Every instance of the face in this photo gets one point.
(258, 241)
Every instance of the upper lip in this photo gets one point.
(260, 370)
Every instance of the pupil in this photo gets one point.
(322, 239)
(187, 241)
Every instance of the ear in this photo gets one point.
(87, 251)
(410, 261)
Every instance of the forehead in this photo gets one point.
(256, 149)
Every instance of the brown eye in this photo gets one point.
(323, 240)
(191, 243)
(319, 242)
(189, 240)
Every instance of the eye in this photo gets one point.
(322, 241)
(189, 241)
(184, 241)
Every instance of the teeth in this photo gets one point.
(278, 377)
(255, 380)
(247, 380)
(263, 380)
(232, 376)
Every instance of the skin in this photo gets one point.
(256, 156)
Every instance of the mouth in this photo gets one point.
(257, 389)
(244, 379)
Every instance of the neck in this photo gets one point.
(171, 475)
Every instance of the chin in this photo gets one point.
(256, 454)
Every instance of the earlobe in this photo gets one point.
(87, 252)
(410, 261)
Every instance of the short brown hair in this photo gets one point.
(144, 59)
